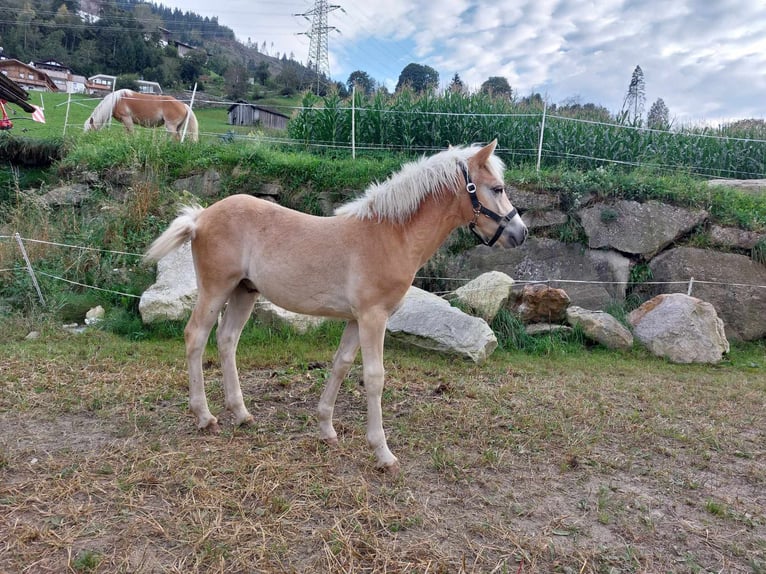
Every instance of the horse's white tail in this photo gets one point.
(103, 110)
(181, 230)
(192, 128)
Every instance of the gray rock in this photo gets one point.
(269, 314)
(207, 184)
(546, 260)
(485, 295)
(733, 284)
(67, 195)
(173, 295)
(637, 228)
(428, 321)
(600, 327)
(525, 200)
(734, 237)
(542, 219)
(546, 328)
(680, 328)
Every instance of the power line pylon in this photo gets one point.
(319, 60)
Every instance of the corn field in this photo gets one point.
(416, 124)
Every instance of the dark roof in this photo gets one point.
(244, 103)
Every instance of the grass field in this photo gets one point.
(594, 462)
(65, 115)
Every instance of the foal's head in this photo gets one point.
(494, 219)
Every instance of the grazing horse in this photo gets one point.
(148, 110)
(356, 265)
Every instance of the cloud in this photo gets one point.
(704, 58)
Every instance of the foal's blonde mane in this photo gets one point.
(397, 198)
(103, 110)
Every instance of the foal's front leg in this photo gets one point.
(344, 358)
(372, 331)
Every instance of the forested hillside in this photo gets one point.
(124, 38)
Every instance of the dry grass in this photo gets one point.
(597, 463)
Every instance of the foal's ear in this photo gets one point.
(482, 156)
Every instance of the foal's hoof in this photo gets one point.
(249, 421)
(212, 427)
(332, 441)
(391, 468)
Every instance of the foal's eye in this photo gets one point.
(498, 189)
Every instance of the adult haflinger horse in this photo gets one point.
(356, 265)
(147, 110)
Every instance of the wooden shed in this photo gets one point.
(245, 114)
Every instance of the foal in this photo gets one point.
(356, 265)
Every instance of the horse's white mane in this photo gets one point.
(103, 110)
(397, 198)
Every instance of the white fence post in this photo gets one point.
(29, 268)
(540, 144)
(191, 107)
(353, 123)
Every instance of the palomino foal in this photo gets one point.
(356, 265)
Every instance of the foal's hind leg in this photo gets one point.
(234, 318)
(344, 358)
(197, 330)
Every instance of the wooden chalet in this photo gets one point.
(26, 76)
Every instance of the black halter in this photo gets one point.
(479, 209)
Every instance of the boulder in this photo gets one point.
(526, 200)
(543, 219)
(173, 295)
(600, 277)
(734, 237)
(73, 195)
(601, 327)
(540, 303)
(534, 329)
(733, 284)
(269, 314)
(428, 321)
(680, 328)
(207, 184)
(485, 295)
(637, 228)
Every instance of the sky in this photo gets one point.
(706, 59)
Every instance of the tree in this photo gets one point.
(497, 87)
(418, 77)
(659, 116)
(362, 81)
(456, 85)
(261, 72)
(633, 106)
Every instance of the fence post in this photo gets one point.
(353, 123)
(191, 104)
(29, 268)
(66, 115)
(691, 285)
(540, 144)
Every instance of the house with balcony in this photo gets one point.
(26, 76)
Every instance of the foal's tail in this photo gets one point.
(181, 230)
